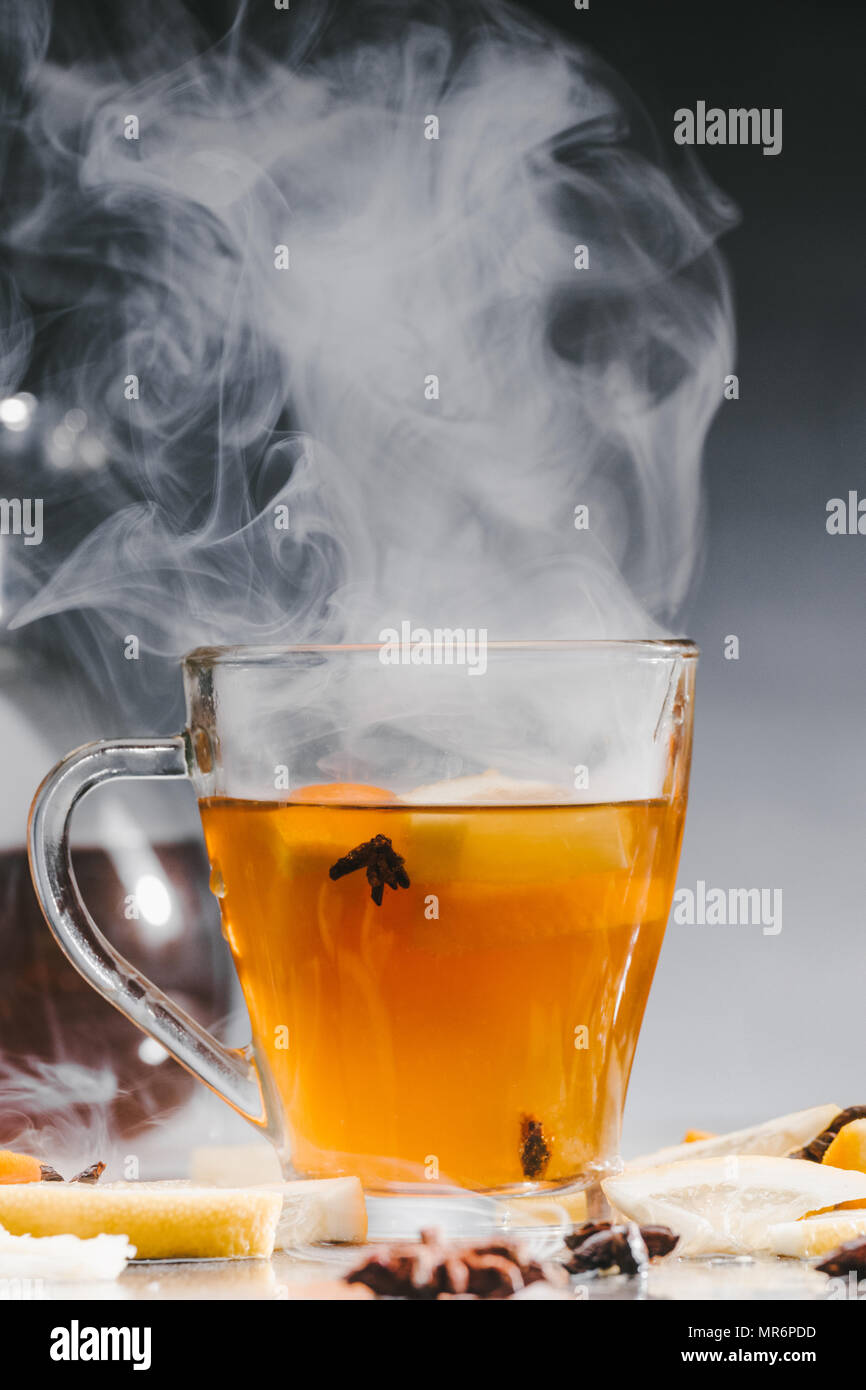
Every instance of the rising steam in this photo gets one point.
(304, 387)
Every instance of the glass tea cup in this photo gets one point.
(444, 882)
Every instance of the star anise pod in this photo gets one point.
(91, 1174)
(627, 1247)
(432, 1268)
(383, 864)
(87, 1175)
(848, 1257)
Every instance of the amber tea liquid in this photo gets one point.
(476, 1027)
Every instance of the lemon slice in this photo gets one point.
(63, 1258)
(724, 1205)
(314, 1209)
(816, 1235)
(164, 1221)
(489, 786)
(234, 1165)
(320, 1209)
(773, 1137)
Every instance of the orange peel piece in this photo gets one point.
(15, 1167)
(848, 1149)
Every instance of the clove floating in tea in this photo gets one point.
(384, 866)
(534, 1149)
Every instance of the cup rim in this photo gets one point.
(266, 654)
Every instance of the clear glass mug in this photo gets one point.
(444, 872)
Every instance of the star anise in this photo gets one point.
(435, 1269)
(627, 1247)
(383, 864)
(87, 1175)
(848, 1257)
(91, 1174)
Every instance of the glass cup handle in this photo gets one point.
(231, 1072)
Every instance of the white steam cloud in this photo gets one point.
(304, 387)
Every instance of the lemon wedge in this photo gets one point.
(816, 1235)
(724, 1205)
(772, 1137)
